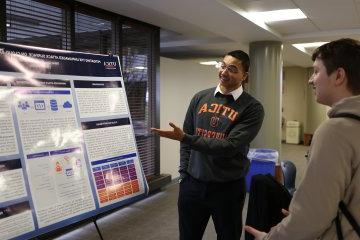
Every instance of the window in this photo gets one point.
(92, 34)
(137, 67)
(37, 24)
(48, 23)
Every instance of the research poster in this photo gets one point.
(67, 143)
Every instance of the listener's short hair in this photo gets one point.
(343, 53)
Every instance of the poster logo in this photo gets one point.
(110, 65)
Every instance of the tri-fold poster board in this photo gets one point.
(67, 143)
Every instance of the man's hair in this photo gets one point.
(343, 53)
(243, 57)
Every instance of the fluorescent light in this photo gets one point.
(210, 63)
(277, 15)
(140, 68)
(310, 46)
(8, 25)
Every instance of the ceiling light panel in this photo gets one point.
(308, 47)
(264, 5)
(278, 15)
(209, 63)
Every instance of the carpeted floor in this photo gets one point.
(296, 154)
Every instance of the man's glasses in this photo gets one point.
(231, 68)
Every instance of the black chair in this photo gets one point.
(289, 171)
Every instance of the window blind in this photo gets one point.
(37, 24)
(48, 24)
(136, 63)
(92, 34)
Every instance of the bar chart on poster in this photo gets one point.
(67, 144)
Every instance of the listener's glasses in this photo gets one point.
(231, 68)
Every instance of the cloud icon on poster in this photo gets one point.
(67, 104)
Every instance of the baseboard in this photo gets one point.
(157, 182)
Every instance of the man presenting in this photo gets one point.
(219, 125)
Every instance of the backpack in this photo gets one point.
(342, 205)
(266, 199)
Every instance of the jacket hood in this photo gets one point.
(346, 105)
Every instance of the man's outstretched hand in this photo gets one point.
(175, 134)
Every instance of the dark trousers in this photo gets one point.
(222, 201)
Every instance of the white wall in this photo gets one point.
(179, 81)
(294, 101)
(299, 100)
(316, 113)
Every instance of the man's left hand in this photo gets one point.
(175, 134)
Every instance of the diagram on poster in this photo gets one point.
(67, 144)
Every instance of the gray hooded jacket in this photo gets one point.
(333, 174)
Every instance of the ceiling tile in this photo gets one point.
(293, 26)
(331, 14)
